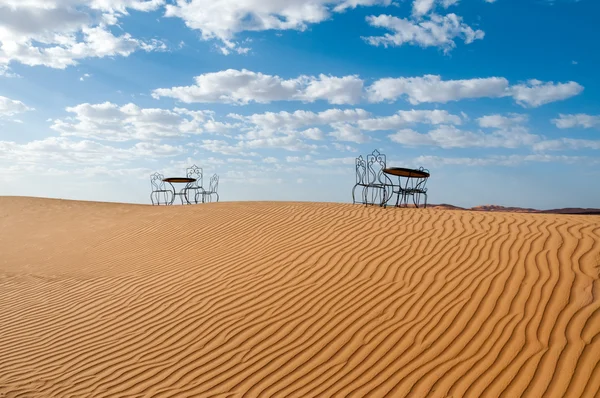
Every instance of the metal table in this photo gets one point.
(183, 192)
(411, 176)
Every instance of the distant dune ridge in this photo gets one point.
(248, 299)
(568, 210)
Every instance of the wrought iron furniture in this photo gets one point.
(414, 185)
(375, 185)
(212, 190)
(183, 193)
(159, 189)
(196, 173)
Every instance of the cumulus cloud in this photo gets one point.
(289, 121)
(10, 107)
(336, 161)
(566, 144)
(58, 33)
(403, 118)
(243, 86)
(452, 137)
(348, 132)
(246, 147)
(535, 93)
(61, 150)
(422, 7)
(498, 160)
(435, 31)
(345, 125)
(431, 88)
(224, 19)
(111, 122)
(578, 120)
(502, 122)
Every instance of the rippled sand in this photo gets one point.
(295, 300)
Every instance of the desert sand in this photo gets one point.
(248, 299)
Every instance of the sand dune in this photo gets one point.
(295, 300)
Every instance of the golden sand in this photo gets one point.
(295, 300)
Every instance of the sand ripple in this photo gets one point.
(295, 300)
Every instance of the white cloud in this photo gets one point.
(245, 147)
(112, 122)
(435, 31)
(403, 118)
(297, 159)
(289, 143)
(536, 93)
(347, 125)
(60, 150)
(336, 161)
(452, 137)
(224, 19)
(288, 121)
(502, 122)
(224, 147)
(58, 33)
(578, 120)
(270, 159)
(313, 134)
(240, 161)
(335, 90)
(566, 144)
(506, 160)
(347, 132)
(343, 147)
(10, 107)
(244, 86)
(431, 88)
(422, 7)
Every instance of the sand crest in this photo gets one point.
(295, 300)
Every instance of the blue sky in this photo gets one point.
(498, 99)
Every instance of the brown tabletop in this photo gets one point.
(409, 173)
(182, 180)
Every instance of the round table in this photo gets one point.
(183, 192)
(406, 191)
(408, 173)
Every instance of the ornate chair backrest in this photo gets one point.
(214, 183)
(421, 182)
(156, 181)
(361, 171)
(375, 165)
(194, 172)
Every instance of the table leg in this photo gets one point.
(405, 196)
(173, 198)
(185, 193)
